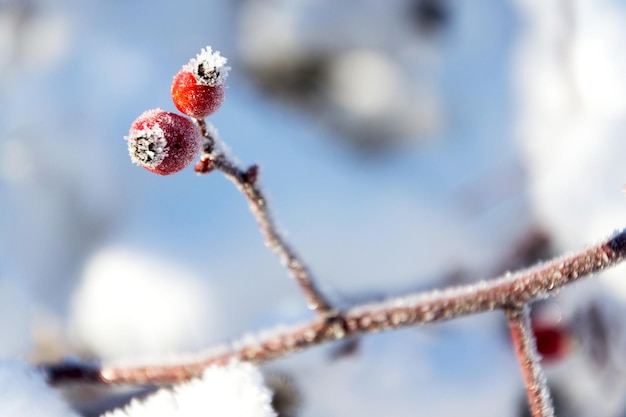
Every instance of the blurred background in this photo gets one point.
(404, 145)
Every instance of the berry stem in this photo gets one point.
(507, 292)
(247, 184)
(525, 347)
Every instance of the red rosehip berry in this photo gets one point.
(163, 142)
(199, 87)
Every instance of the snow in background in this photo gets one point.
(570, 130)
(510, 116)
(235, 390)
(571, 123)
(131, 304)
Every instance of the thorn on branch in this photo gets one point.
(618, 243)
(251, 175)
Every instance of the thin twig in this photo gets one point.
(247, 184)
(506, 292)
(525, 347)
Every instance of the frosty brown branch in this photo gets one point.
(525, 347)
(511, 291)
(247, 184)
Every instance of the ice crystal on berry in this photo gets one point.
(209, 67)
(148, 147)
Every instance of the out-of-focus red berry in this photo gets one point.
(553, 340)
(199, 87)
(163, 142)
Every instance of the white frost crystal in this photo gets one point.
(148, 146)
(209, 67)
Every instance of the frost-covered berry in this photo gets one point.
(198, 88)
(163, 142)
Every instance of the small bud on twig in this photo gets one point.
(204, 166)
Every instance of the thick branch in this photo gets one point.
(509, 291)
(526, 350)
(246, 183)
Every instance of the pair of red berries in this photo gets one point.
(165, 142)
